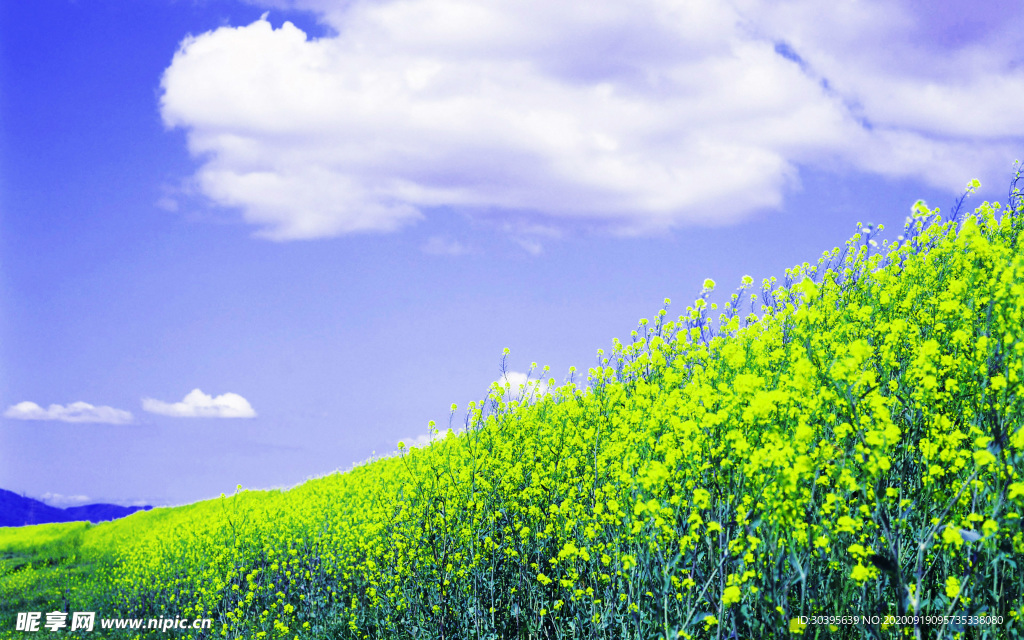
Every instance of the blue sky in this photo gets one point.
(255, 242)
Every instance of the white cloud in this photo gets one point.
(530, 245)
(199, 405)
(442, 246)
(423, 440)
(517, 385)
(62, 501)
(632, 116)
(74, 412)
(167, 203)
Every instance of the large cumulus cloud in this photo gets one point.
(633, 116)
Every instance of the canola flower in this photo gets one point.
(855, 445)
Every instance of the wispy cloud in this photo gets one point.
(62, 501)
(443, 246)
(529, 245)
(633, 116)
(200, 405)
(74, 412)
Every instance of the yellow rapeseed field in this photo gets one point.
(836, 455)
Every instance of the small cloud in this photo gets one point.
(529, 234)
(62, 501)
(532, 247)
(442, 246)
(423, 440)
(167, 203)
(74, 412)
(199, 405)
(520, 385)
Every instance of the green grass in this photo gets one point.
(39, 566)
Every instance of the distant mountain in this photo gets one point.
(16, 510)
